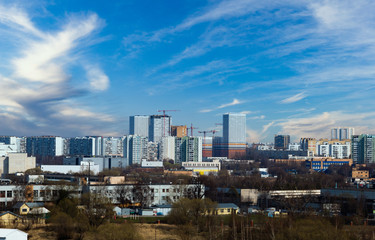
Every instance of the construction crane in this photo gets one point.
(164, 119)
(204, 136)
(213, 133)
(191, 129)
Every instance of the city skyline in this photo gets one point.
(74, 68)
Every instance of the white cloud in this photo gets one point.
(319, 125)
(294, 98)
(257, 117)
(99, 81)
(233, 103)
(37, 94)
(267, 126)
(246, 112)
(252, 136)
(206, 110)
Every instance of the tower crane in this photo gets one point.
(191, 129)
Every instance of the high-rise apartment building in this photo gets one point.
(45, 146)
(282, 142)
(82, 146)
(152, 151)
(188, 149)
(112, 146)
(234, 135)
(179, 131)
(135, 149)
(167, 148)
(363, 148)
(159, 126)
(139, 125)
(342, 133)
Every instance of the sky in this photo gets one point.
(77, 68)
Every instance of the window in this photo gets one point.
(24, 209)
(163, 190)
(228, 210)
(35, 193)
(222, 210)
(2, 194)
(167, 190)
(9, 194)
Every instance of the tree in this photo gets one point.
(122, 195)
(142, 194)
(199, 212)
(97, 208)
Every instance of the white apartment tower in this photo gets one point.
(159, 126)
(341, 133)
(139, 125)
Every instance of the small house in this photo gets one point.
(8, 219)
(23, 208)
(226, 208)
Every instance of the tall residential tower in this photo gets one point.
(233, 143)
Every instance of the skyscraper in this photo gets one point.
(234, 135)
(139, 125)
(188, 149)
(363, 149)
(341, 133)
(282, 142)
(135, 149)
(159, 126)
(167, 148)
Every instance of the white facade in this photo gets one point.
(65, 169)
(215, 164)
(148, 164)
(294, 147)
(16, 162)
(7, 148)
(167, 148)
(139, 125)
(160, 126)
(59, 148)
(335, 150)
(135, 149)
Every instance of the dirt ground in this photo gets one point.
(157, 231)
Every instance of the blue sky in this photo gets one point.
(74, 68)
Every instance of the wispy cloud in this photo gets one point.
(294, 98)
(319, 125)
(233, 103)
(38, 92)
(225, 105)
(257, 117)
